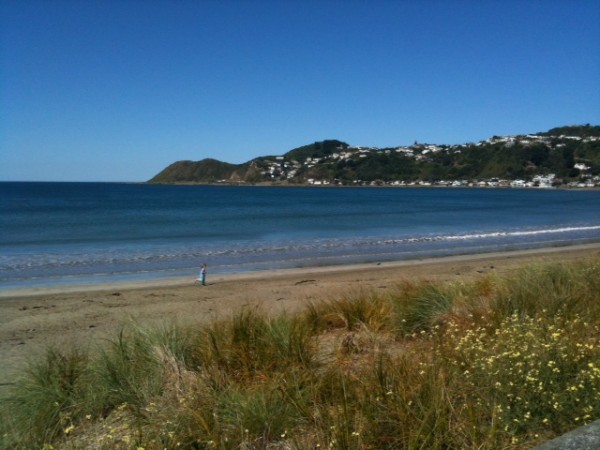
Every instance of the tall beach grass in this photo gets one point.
(494, 362)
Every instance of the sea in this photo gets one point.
(65, 234)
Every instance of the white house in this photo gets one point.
(581, 166)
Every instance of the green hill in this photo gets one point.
(316, 150)
(207, 170)
(569, 154)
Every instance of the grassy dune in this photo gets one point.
(498, 362)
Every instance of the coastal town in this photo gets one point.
(281, 168)
(565, 157)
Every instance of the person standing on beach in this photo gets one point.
(203, 274)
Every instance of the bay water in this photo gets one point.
(77, 233)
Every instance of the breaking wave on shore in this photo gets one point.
(163, 260)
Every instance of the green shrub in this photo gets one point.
(46, 400)
(351, 312)
(423, 306)
(549, 289)
(251, 345)
(530, 375)
(127, 371)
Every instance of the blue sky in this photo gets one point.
(117, 90)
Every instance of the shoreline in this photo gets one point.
(183, 280)
(32, 320)
(384, 185)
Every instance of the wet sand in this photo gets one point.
(32, 319)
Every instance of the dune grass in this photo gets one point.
(496, 362)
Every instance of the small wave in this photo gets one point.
(493, 234)
(131, 259)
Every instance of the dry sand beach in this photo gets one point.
(32, 319)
